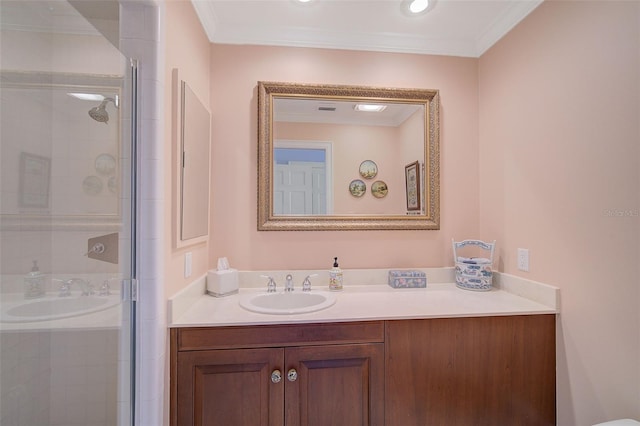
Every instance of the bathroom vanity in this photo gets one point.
(327, 374)
(467, 359)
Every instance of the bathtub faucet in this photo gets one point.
(86, 288)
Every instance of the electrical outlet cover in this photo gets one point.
(523, 259)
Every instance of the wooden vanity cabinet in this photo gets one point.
(492, 371)
(228, 387)
(489, 371)
(330, 374)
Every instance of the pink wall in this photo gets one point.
(235, 71)
(559, 175)
(539, 149)
(409, 151)
(187, 48)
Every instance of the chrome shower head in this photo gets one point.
(100, 113)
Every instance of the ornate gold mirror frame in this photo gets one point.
(426, 219)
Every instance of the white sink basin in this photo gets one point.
(288, 303)
(55, 308)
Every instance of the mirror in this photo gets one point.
(347, 157)
(193, 158)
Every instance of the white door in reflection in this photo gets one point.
(302, 176)
(299, 188)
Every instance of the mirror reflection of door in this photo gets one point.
(302, 178)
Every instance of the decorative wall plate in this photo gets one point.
(92, 185)
(368, 169)
(105, 164)
(357, 188)
(379, 189)
(112, 184)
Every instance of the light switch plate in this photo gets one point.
(188, 258)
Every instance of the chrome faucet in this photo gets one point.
(86, 288)
(65, 288)
(288, 284)
(105, 289)
(306, 284)
(271, 284)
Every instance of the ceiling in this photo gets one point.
(336, 111)
(450, 27)
(43, 16)
(79, 17)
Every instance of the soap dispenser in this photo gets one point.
(335, 276)
(34, 283)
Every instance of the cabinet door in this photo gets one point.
(335, 385)
(471, 371)
(230, 387)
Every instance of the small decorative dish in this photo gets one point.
(379, 189)
(368, 169)
(357, 188)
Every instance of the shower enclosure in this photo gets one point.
(67, 228)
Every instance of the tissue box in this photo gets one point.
(222, 283)
(407, 279)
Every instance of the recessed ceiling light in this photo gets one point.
(370, 107)
(417, 6)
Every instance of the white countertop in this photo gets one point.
(510, 296)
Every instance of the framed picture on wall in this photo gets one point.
(35, 172)
(412, 179)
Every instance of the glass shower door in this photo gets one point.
(67, 232)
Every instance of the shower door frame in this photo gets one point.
(117, 222)
(134, 254)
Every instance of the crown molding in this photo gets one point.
(505, 23)
(345, 40)
(292, 36)
(207, 16)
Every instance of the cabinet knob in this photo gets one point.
(292, 375)
(276, 376)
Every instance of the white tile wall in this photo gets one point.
(58, 378)
(64, 380)
(81, 364)
(142, 38)
(24, 377)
